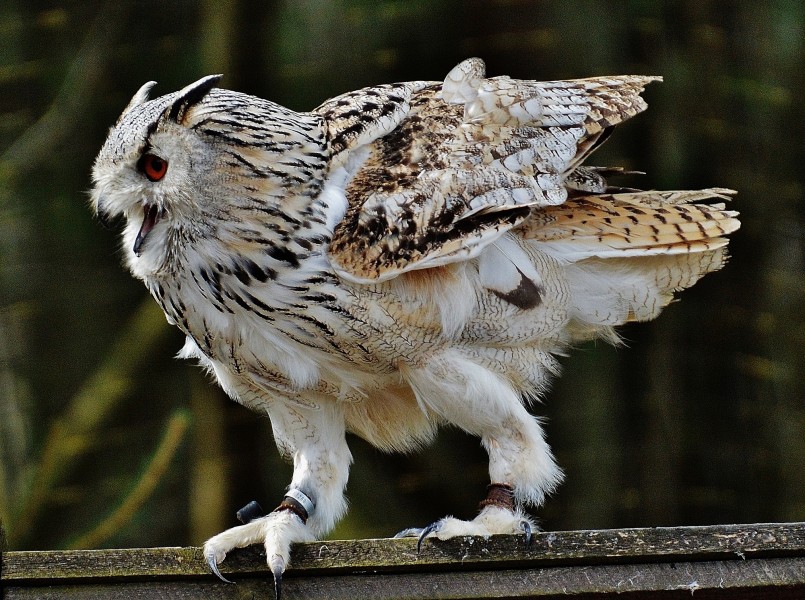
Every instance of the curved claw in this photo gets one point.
(277, 585)
(526, 527)
(277, 566)
(213, 565)
(419, 532)
(425, 532)
(410, 532)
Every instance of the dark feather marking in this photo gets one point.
(258, 303)
(525, 296)
(326, 329)
(193, 96)
(245, 305)
(214, 286)
(259, 273)
(318, 297)
(321, 326)
(283, 254)
(276, 212)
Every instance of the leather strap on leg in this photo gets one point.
(500, 495)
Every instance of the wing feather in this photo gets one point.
(449, 167)
(633, 224)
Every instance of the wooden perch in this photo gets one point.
(722, 561)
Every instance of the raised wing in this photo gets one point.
(624, 255)
(638, 223)
(442, 170)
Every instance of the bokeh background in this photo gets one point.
(107, 440)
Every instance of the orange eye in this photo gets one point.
(153, 167)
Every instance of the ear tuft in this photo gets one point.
(191, 95)
(139, 98)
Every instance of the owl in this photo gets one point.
(402, 257)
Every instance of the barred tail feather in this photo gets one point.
(626, 254)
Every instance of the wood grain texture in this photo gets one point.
(735, 561)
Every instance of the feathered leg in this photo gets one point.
(314, 439)
(521, 467)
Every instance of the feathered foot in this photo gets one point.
(276, 531)
(498, 515)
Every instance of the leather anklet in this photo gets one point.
(500, 495)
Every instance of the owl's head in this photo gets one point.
(148, 169)
(176, 166)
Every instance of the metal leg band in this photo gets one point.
(298, 503)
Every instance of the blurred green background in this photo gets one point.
(107, 440)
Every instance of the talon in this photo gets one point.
(277, 585)
(209, 556)
(424, 533)
(526, 527)
(410, 532)
(277, 566)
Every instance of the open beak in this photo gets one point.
(151, 216)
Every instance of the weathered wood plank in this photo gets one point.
(754, 579)
(569, 547)
(746, 561)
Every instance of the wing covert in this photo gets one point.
(443, 170)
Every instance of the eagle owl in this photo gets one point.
(401, 257)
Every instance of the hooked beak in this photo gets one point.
(151, 216)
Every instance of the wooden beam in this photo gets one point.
(741, 561)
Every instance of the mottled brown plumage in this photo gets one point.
(401, 257)
(463, 163)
